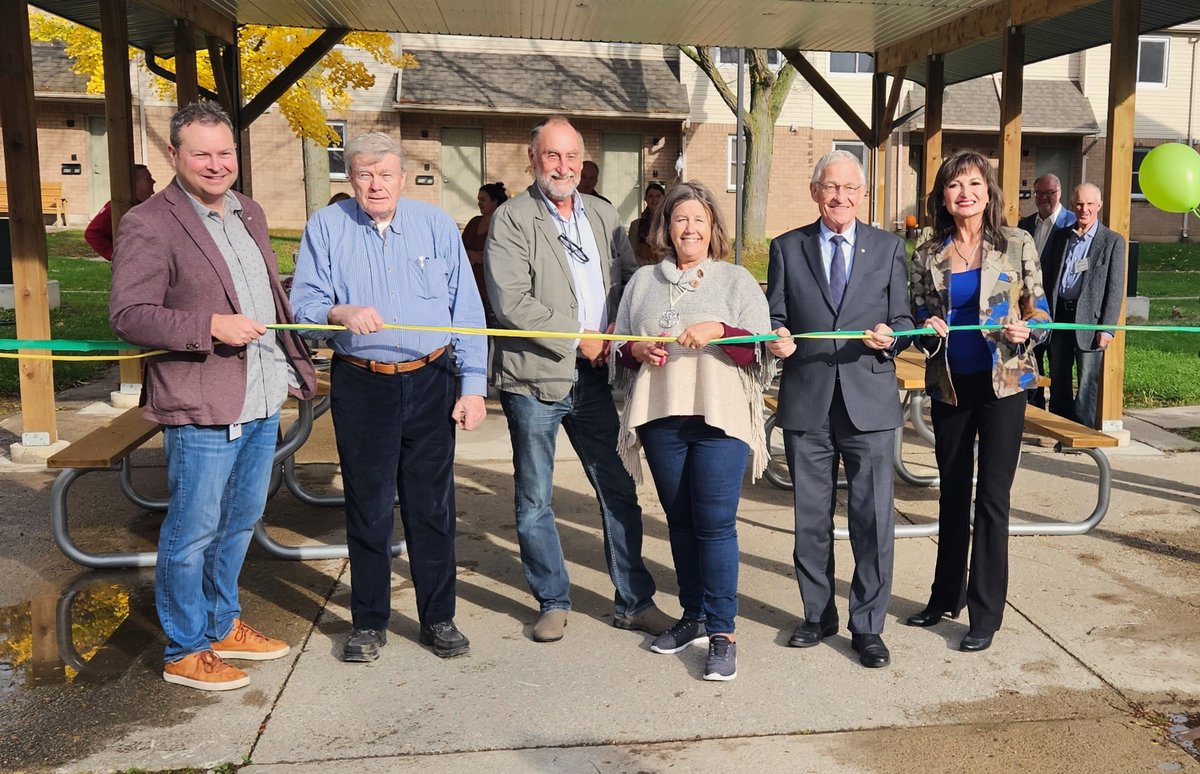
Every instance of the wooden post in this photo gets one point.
(877, 151)
(28, 233)
(934, 88)
(1118, 166)
(1013, 67)
(187, 86)
(118, 118)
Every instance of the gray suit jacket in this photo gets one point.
(1103, 287)
(876, 292)
(530, 288)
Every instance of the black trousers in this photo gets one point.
(997, 423)
(394, 434)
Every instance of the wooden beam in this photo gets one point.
(830, 95)
(292, 73)
(28, 233)
(118, 119)
(187, 85)
(876, 157)
(217, 61)
(971, 27)
(204, 16)
(934, 94)
(1118, 166)
(1011, 90)
(893, 101)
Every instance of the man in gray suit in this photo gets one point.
(552, 263)
(1083, 270)
(838, 398)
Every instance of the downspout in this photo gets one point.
(1183, 232)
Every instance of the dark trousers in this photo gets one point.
(394, 434)
(1067, 359)
(1037, 395)
(813, 457)
(997, 423)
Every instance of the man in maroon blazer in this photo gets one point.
(194, 273)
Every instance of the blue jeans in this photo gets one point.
(1065, 355)
(698, 471)
(591, 423)
(216, 491)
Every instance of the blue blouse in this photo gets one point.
(966, 351)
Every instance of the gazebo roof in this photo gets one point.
(896, 31)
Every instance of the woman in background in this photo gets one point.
(639, 230)
(474, 238)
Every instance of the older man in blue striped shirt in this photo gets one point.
(380, 259)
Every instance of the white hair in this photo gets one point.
(374, 145)
(837, 157)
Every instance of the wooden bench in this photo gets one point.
(105, 448)
(53, 201)
(1070, 437)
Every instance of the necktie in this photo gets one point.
(837, 271)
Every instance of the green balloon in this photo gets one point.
(1170, 177)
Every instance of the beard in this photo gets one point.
(556, 188)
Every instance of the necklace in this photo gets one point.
(966, 261)
(676, 290)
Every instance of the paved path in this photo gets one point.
(1098, 657)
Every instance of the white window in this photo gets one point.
(857, 148)
(729, 56)
(732, 183)
(337, 159)
(1152, 61)
(849, 62)
(1139, 155)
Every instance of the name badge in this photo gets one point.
(235, 432)
(1080, 265)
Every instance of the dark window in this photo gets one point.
(849, 62)
(337, 159)
(1152, 61)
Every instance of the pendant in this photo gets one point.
(669, 319)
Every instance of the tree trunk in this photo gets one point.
(760, 147)
(316, 175)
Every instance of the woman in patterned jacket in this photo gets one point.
(975, 271)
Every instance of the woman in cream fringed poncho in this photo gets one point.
(696, 408)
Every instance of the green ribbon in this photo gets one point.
(81, 345)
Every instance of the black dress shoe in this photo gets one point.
(811, 633)
(928, 617)
(872, 653)
(364, 645)
(976, 641)
(445, 638)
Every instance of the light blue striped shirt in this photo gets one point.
(414, 272)
(1077, 249)
(587, 277)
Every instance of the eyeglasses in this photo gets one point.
(573, 250)
(1046, 194)
(830, 188)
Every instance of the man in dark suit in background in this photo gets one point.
(838, 399)
(1041, 224)
(1083, 270)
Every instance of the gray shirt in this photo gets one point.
(267, 371)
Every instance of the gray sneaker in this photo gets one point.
(721, 663)
(364, 645)
(685, 632)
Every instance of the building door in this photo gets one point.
(621, 173)
(97, 150)
(462, 172)
(1056, 161)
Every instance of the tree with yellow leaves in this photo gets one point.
(265, 51)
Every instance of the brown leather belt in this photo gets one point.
(391, 369)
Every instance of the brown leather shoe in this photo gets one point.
(206, 671)
(248, 643)
(650, 620)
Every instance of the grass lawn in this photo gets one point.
(1173, 284)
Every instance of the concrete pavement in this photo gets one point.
(1097, 667)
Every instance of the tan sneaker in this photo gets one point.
(205, 670)
(251, 644)
(549, 627)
